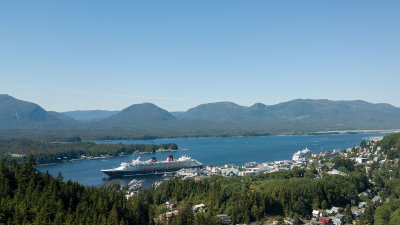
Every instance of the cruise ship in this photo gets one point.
(152, 166)
(305, 153)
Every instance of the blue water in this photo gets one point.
(209, 151)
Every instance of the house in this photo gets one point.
(336, 210)
(282, 168)
(199, 208)
(129, 195)
(376, 199)
(318, 213)
(332, 166)
(216, 170)
(166, 216)
(329, 212)
(311, 160)
(230, 172)
(321, 167)
(171, 206)
(226, 220)
(290, 221)
(337, 172)
(325, 220)
(169, 214)
(339, 219)
(315, 213)
(361, 160)
(266, 168)
(248, 173)
(169, 202)
(251, 164)
(362, 205)
(285, 166)
(330, 155)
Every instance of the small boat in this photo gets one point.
(168, 176)
(157, 183)
(135, 185)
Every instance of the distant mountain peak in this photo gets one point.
(258, 105)
(222, 103)
(139, 115)
(145, 105)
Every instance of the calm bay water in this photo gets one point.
(209, 151)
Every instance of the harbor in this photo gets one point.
(212, 152)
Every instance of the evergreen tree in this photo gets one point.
(349, 215)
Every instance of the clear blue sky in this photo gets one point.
(67, 55)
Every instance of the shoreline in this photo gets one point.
(338, 132)
(107, 157)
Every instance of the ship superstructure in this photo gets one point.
(152, 166)
(305, 153)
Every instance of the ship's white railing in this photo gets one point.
(184, 158)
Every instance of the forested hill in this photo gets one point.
(213, 119)
(138, 115)
(17, 114)
(31, 197)
(391, 141)
(391, 145)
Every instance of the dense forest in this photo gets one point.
(288, 193)
(110, 133)
(387, 179)
(391, 145)
(50, 152)
(29, 196)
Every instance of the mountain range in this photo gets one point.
(220, 118)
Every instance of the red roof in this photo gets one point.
(326, 221)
